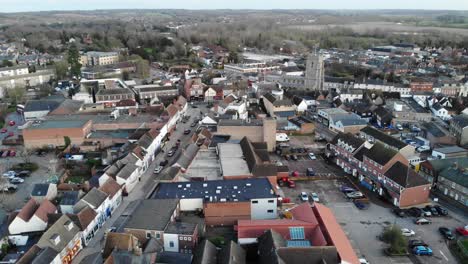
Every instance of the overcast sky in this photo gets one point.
(40, 5)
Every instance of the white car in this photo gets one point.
(423, 148)
(16, 180)
(315, 197)
(355, 195)
(9, 174)
(363, 261)
(304, 197)
(407, 232)
(158, 169)
(399, 127)
(312, 156)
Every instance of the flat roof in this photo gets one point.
(232, 160)
(217, 191)
(120, 133)
(204, 165)
(51, 124)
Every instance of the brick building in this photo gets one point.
(255, 130)
(53, 132)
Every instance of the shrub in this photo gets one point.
(395, 238)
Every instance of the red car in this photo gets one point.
(462, 230)
(12, 153)
(295, 174)
(10, 134)
(4, 130)
(12, 123)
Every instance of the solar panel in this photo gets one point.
(296, 233)
(298, 243)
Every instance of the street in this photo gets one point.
(141, 190)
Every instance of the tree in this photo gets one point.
(7, 63)
(125, 76)
(394, 237)
(61, 69)
(74, 61)
(142, 68)
(67, 141)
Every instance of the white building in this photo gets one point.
(33, 217)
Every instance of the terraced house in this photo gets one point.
(380, 169)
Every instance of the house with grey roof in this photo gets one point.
(459, 128)
(36, 109)
(156, 219)
(44, 191)
(63, 237)
(99, 202)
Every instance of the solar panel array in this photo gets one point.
(297, 233)
(298, 243)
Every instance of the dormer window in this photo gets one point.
(69, 225)
(55, 239)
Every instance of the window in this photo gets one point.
(255, 202)
(271, 201)
(171, 244)
(181, 238)
(148, 235)
(158, 236)
(270, 211)
(189, 238)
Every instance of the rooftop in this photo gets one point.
(152, 214)
(52, 124)
(380, 154)
(384, 138)
(451, 149)
(217, 191)
(404, 176)
(180, 228)
(232, 160)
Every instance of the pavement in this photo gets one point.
(141, 190)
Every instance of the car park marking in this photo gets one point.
(443, 255)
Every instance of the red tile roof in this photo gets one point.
(336, 234)
(28, 210)
(110, 187)
(304, 212)
(44, 209)
(86, 216)
(172, 110)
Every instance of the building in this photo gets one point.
(146, 93)
(110, 97)
(449, 152)
(310, 235)
(98, 58)
(156, 219)
(301, 125)
(13, 71)
(44, 191)
(339, 120)
(382, 117)
(224, 202)
(459, 128)
(250, 68)
(98, 201)
(41, 76)
(36, 109)
(373, 135)
(52, 133)
(255, 130)
(33, 217)
(194, 89)
(64, 240)
(380, 168)
(421, 86)
(277, 107)
(68, 201)
(437, 135)
(449, 178)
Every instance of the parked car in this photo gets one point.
(295, 174)
(187, 131)
(355, 195)
(423, 148)
(447, 233)
(315, 197)
(9, 174)
(10, 188)
(422, 250)
(294, 157)
(291, 184)
(399, 127)
(171, 153)
(194, 106)
(363, 261)
(415, 212)
(193, 125)
(407, 232)
(11, 134)
(4, 130)
(310, 172)
(441, 210)
(16, 180)
(462, 230)
(416, 242)
(286, 157)
(398, 212)
(12, 153)
(431, 209)
(12, 123)
(23, 173)
(360, 205)
(346, 189)
(422, 221)
(163, 163)
(158, 169)
(304, 197)
(312, 156)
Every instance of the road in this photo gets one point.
(148, 179)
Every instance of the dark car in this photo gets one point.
(171, 153)
(194, 106)
(398, 212)
(441, 210)
(431, 209)
(447, 233)
(24, 173)
(164, 163)
(310, 172)
(415, 212)
(193, 125)
(360, 205)
(187, 131)
(347, 189)
(415, 243)
(286, 157)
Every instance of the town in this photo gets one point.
(302, 155)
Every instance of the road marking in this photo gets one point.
(443, 255)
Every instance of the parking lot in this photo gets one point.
(363, 226)
(303, 162)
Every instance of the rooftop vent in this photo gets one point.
(179, 186)
(235, 187)
(205, 185)
(222, 200)
(248, 184)
(219, 187)
(187, 185)
(218, 191)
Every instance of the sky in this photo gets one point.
(44, 5)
